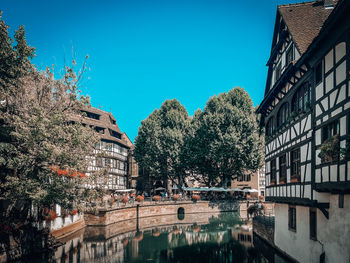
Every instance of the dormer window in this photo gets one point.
(289, 55)
(92, 115)
(112, 121)
(100, 130)
(115, 134)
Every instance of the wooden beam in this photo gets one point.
(323, 207)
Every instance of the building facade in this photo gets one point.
(111, 153)
(133, 167)
(247, 181)
(306, 115)
(261, 181)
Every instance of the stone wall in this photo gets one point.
(145, 223)
(110, 216)
(264, 226)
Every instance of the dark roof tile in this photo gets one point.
(304, 21)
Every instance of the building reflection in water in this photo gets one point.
(207, 237)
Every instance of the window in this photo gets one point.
(109, 146)
(283, 169)
(330, 130)
(295, 165)
(341, 201)
(302, 97)
(330, 148)
(107, 162)
(100, 130)
(244, 177)
(283, 114)
(313, 224)
(112, 121)
(318, 73)
(115, 134)
(91, 115)
(278, 72)
(273, 171)
(292, 220)
(99, 161)
(269, 127)
(289, 55)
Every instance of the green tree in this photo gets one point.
(226, 141)
(160, 140)
(43, 143)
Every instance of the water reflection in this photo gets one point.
(196, 238)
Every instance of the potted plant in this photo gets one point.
(345, 152)
(51, 215)
(140, 198)
(196, 228)
(176, 197)
(124, 199)
(330, 150)
(74, 212)
(195, 198)
(156, 198)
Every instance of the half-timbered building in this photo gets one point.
(306, 115)
(112, 151)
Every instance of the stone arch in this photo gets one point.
(181, 213)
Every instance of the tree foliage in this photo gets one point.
(41, 129)
(160, 142)
(216, 145)
(226, 141)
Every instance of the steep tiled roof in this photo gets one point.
(105, 121)
(304, 21)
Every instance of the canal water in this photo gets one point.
(203, 237)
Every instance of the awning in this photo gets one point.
(124, 190)
(250, 190)
(234, 190)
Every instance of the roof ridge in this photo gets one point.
(297, 4)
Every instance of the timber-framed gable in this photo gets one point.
(313, 105)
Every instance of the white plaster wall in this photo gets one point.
(340, 73)
(324, 103)
(319, 91)
(297, 244)
(332, 97)
(308, 173)
(334, 233)
(329, 82)
(343, 126)
(340, 51)
(296, 52)
(328, 61)
(318, 110)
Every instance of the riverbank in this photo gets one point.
(106, 216)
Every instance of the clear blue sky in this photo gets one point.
(142, 52)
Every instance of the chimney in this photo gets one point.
(328, 4)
